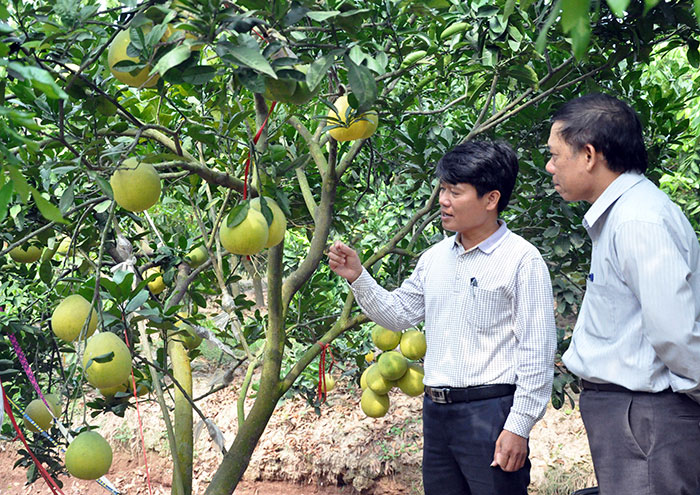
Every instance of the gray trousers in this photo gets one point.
(642, 443)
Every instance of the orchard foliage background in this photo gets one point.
(66, 123)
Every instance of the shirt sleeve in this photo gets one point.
(536, 333)
(396, 310)
(657, 272)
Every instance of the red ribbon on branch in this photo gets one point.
(322, 370)
(255, 141)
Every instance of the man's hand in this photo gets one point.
(511, 451)
(344, 261)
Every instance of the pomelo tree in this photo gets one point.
(230, 101)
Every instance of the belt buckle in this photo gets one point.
(440, 395)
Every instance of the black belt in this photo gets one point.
(448, 395)
(611, 387)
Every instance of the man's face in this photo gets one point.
(568, 168)
(462, 210)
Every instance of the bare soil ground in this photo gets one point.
(339, 452)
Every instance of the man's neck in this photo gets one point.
(476, 236)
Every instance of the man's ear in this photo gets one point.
(492, 199)
(593, 156)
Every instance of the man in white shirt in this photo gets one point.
(485, 296)
(636, 343)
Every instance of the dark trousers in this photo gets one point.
(642, 443)
(458, 446)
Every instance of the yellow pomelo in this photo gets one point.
(246, 238)
(89, 456)
(411, 383)
(278, 226)
(40, 414)
(117, 53)
(374, 405)
(185, 333)
(29, 255)
(330, 382)
(392, 365)
(63, 246)
(110, 373)
(69, 317)
(384, 338)
(109, 392)
(360, 127)
(413, 344)
(156, 285)
(376, 381)
(136, 185)
(363, 378)
(197, 256)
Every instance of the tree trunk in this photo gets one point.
(182, 372)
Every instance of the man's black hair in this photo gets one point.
(611, 126)
(486, 165)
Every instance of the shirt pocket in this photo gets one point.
(596, 310)
(489, 308)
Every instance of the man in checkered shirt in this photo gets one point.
(485, 296)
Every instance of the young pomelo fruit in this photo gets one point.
(68, 318)
(197, 256)
(136, 185)
(40, 414)
(411, 383)
(157, 285)
(392, 365)
(330, 382)
(384, 338)
(110, 373)
(374, 405)
(117, 53)
(88, 456)
(185, 333)
(413, 344)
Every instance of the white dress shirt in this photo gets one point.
(489, 318)
(639, 323)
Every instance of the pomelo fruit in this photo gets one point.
(374, 405)
(29, 255)
(384, 338)
(413, 344)
(376, 381)
(117, 53)
(136, 185)
(69, 317)
(40, 414)
(278, 226)
(110, 373)
(359, 127)
(411, 383)
(89, 456)
(157, 285)
(197, 256)
(392, 365)
(248, 237)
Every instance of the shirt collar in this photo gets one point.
(488, 245)
(611, 194)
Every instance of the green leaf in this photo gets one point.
(618, 7)
(362, 83)
(237, 214)
(5, 197)
(139, 299)
(322, 15)
(508, 9)
(248, 53)
(580, 37)
(67, 199)
(696, 5)
(200, 74)
(174, 57)
(572, 12)
(49, 211)
(5, 28)
(319, 69)
(39, 79)
(46, 272)
(20, 183)
(542, 37)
